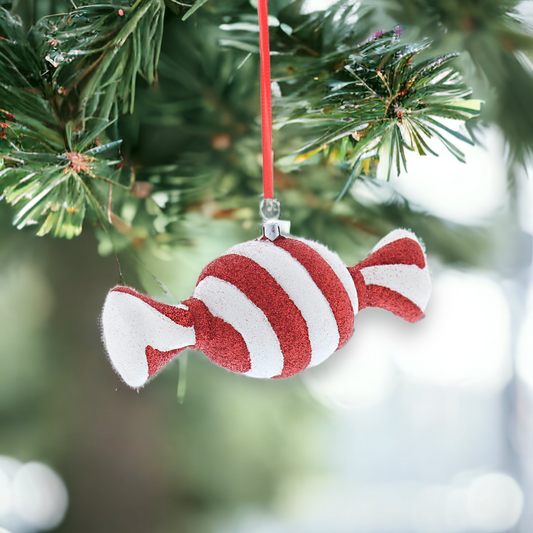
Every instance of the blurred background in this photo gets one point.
(410, 428)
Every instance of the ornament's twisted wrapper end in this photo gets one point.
(395, 276)
(140, 334)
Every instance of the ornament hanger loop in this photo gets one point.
(269, 209)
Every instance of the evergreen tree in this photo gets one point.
(131, 116)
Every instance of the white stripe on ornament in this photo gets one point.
(294, 279)
(230, 304)
(408, 280)
(129, 325)
(336, 263)
(395, 235)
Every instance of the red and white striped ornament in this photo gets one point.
(266, 308)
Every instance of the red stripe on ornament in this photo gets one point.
(360, 286)
(219, 341)
(176, 314)
(327, 282)
(378, 296)
(404, 251)
(157, 359)
(260, 287)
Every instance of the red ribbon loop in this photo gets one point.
(266, 101)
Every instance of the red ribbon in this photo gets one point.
(266, 103)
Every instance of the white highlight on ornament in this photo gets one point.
(298, 284)
(129, 325)
(230, 304)
(335, 262)
(408, 280)
(40, 497)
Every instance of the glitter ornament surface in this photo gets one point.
(266, 309)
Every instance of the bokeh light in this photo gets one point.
(495, 502)
(472, 503)
(467, 194)
(5, 494)
(465, 339)
(40, 496)
(362, 374)
(33, 497)
(8, 469)
(524, 357)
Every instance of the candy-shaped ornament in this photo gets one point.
(267, 308)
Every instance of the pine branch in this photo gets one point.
(498, 45)
(360, 103)
(194, 134)
(375, 102)
(62, 89)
